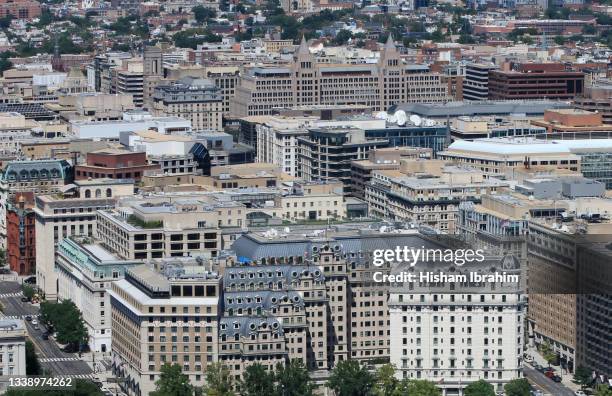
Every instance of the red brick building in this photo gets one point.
(21, 9)
(20, 230)
(535, 81)
(114, 164)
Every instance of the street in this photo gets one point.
(547, 385)
(51, 357)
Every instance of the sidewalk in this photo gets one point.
(566, 377)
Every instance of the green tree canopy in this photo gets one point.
(202, 14)
(293, 379)
(218, 381)
(67, 321)
(417, 388)
(517, 387)
(32, 363)
(603, 390)
(582, 376)
(173, 382)
(349, 378)
(479, 388)
(257, 381)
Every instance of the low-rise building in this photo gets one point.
(115, 164)
(13, 336)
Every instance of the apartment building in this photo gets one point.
(13, 335)
(306, 82)
(169, 317)
(427, 194)
(458, 334)
(40, 177)
(85, 270)
(194, 99)
(72, 213)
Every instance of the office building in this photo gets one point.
(20, 226)
(164, 318)
(597, 97)
(194, 99)
(40, 177)
(115, 164)
(85, 270)
(72, 213)
(308, 83)
(13, 335)
(535, 81)
(476, 81)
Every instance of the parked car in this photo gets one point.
(528, 358)
(34, 321)
(36, 327)
(24, 299)
(556, 378)
(28, 318)
(579, 393)
(549, 373)
(45, 336)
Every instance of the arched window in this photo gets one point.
(87, 193)
(98, 193)
(109, 193)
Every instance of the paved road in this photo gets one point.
(51, 357)
(546, 384)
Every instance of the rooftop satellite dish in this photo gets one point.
(381, 115)
(392, 119)
(401, 117)
(416, 120)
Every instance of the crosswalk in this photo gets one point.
(7, 295)
(58, 359)
(82, 376)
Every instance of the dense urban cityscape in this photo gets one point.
(306, 197)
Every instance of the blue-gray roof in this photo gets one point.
(245, 326)
(37, 170)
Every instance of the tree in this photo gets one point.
(589, 29)
(559, 40)
(203, 14)
(4, 57)
(173, 382)
(479, 388)
(386, 383)
(28, 291)
(5, 22)
(349, 378)
(548, 353)
(67, 321)
(293, 379)
(218, 381)
(256, 381)
(32, 363)
(582, 376)
(342, 37)
(417, 388)
(603, 390)
(518, 387)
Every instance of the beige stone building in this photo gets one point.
(163, 318)
(305, 82)
(197, 100)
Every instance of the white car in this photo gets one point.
(34, 322)
(528, 358)
(579, 393)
